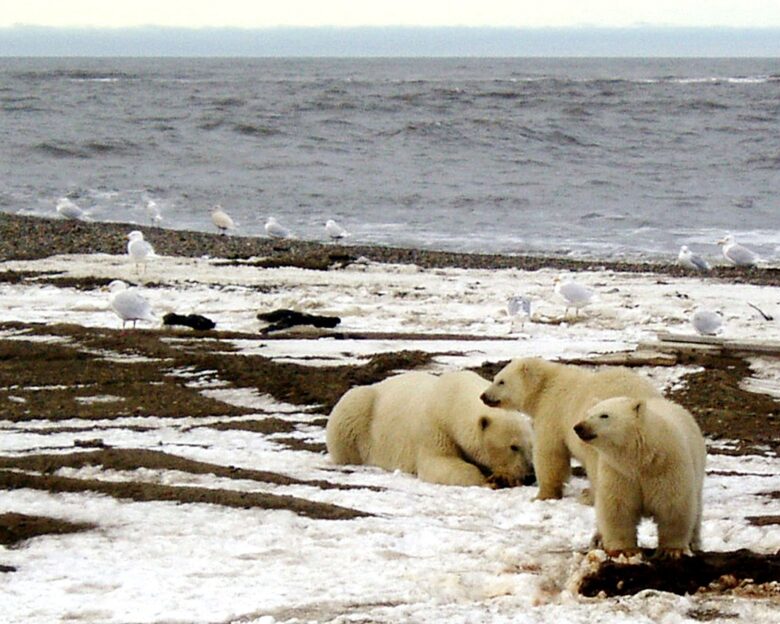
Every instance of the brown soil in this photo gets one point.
(16, 528)
(718, 571)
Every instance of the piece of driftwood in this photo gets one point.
(714, 570)
(195, 321)
(284, 319)
(641, 357)
(690, 341)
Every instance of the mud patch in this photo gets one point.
(145, 492)
(720, 572)
(726, 411)
(16, 528)
(133, 459)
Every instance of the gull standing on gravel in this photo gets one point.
(518, 306)
(691, 260)
(128, 304)
(153, 212)
(335, 231)
(222, 219)
(737, 254)
(69, 210)
(706, 322)
(574, 294)
(275, 230)
(138, 249)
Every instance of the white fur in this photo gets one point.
(432, 426)
(651, 463)
(556, 397)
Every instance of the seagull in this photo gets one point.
(128, 304)
(737, 254)
(275, 230)
(518, 306)
(138, 249)
(68, 209)
(706, 322)
(334, 230)
(691, 260)
(153, 212)
(222, 219)
(574, 294)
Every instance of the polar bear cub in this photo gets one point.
(651, 456)
(556, 397)
(433, 426)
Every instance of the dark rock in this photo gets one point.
(284, 319)
(195, 321)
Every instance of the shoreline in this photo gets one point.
(30, 238)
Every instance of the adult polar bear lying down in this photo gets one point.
(433, 426)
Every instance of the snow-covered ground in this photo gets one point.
(427, 553)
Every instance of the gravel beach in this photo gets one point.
(32, 237)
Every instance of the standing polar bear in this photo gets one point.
(651, 456)
(433, 426)
(556, 397)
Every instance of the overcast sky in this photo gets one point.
(268, 13)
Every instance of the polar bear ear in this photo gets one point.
(639, 407)
(484, 422)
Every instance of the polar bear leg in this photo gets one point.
(675, 530)
(618, 511)
(448, 470)
(552, 464)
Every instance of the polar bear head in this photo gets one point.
(505, 447)
(515, 385)
(612, 424)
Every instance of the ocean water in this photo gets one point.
(587, 157)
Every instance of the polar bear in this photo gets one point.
(556, 396)
(433, 426)
(651, 456)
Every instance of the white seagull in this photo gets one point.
(222, 219)
(518, 306)
(334, 230)
(128, 304)
(68, 209)
(737, 254)
(574, 294)
(706, 322)
(275, 230)
(153, 212)
(691, 260)
(138, 249)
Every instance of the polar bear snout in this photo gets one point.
(488, 400)
(585, 433)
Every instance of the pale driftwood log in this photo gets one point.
(690, 341)
(640, 357)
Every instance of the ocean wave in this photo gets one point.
(553, 137)
(80, 75)
(771, 163)
(87, 149)
(253, 130)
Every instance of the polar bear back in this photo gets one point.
(573, 389)
(396, 426)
